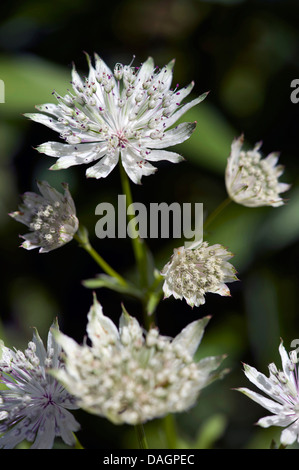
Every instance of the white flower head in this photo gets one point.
(191, 273)
(283, 389)
(50, 216)
(34, 405)
(131, 376)
(252, 180)
(127, 113)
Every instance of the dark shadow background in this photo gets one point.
(246, 54)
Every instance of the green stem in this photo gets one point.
(99, 260)
(137, 242)
(170, 431)
(141, 436)
(78, 444)
(216, 212)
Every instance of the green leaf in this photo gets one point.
(211, 430)
(102, 280)
(210, 144)
(30, 80)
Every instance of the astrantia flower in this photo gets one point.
(251, 180)
(130, 376)
(283, 389)
(34, 406)
(127, 113)
(191, 273)
(50, 216)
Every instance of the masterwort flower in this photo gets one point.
(50, 216)
(127, 113)
(191, 273)
(252, 180)
(131, 376)
(34, 405)
(283, 389)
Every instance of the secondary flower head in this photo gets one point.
(191, 273)
(283, 389)
(130, 376)
(252, 180)
(126, 113)
(50, 216)
(34, 405)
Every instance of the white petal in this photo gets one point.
(262, 382)
(50, 193)
(144, 73)
(289, 435)
(103, 167)
(270, 405)
(135, 166)
(73, 154)
(46, 121)
(171, 120)
(190, 337)
(272, 159)
(68, 344)
(171, 137)
(46, 433)
(275, 420)
(101, 330)
(157, 155)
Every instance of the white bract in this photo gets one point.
(283, 389)
(50, 216)
(131, 376)
(191, 273)
(252, 180)
(34, 405)
(127, 113)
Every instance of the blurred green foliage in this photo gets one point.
(246, 54)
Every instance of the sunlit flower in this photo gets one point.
(191, 273)
(34, 405)
(283, 389)
(131, 376)
(51, 217)
(252, 180)
(128, 113)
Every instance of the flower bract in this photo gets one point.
(193, 272)
(282, 388)
(128, 114)
(50, 216)
(34, 406)
(131, 376)
(252, 180)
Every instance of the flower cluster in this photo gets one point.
(34, 405)
(191, 273)
(50, 216)
(127, 113)
(127, 374)
(283, 389)
(251, 180)
(130, 376)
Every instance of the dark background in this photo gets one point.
(246, 54)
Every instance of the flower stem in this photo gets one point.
(84, 243)
(141, 436)
(170, 431)
(137, 242)
(216, 212)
